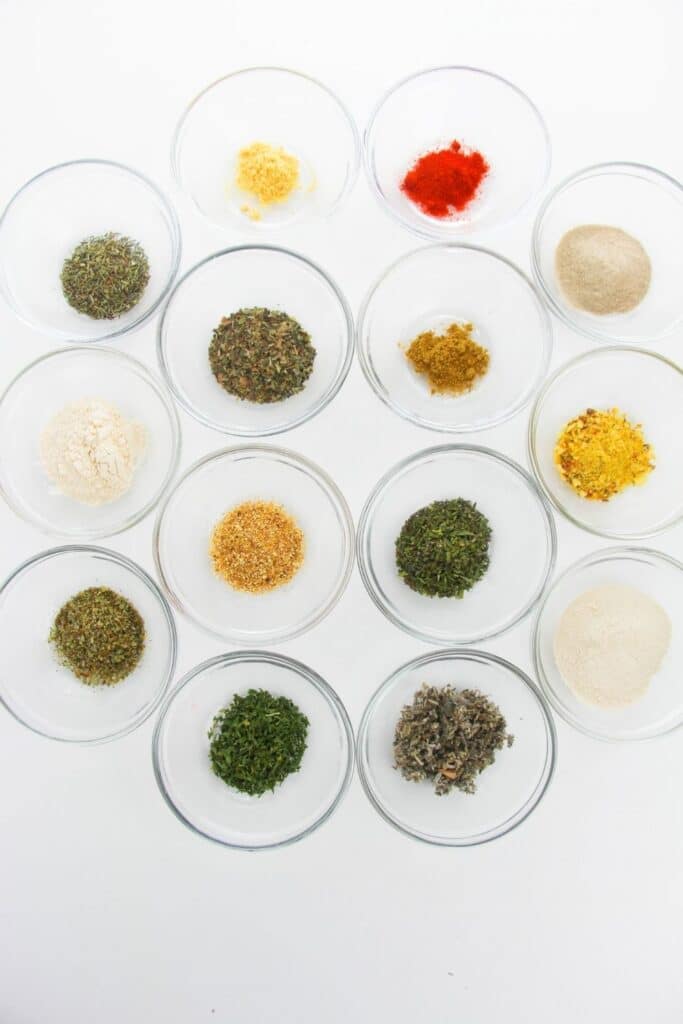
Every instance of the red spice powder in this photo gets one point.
(445, 180)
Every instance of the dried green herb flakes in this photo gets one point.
(105, 276)
(99, 636)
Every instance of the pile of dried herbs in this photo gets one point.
(99, 636)
(105, 276)
(257, 741)
(443, 548)
(261, 355)
(448, 736)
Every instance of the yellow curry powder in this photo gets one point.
(600, 453)
(269, 173)
(452, 361)
(257, 546)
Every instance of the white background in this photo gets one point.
(111, 911)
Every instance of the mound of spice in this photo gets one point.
(99, 636)
(261, 355)
(257, 741)
(452, 362)
(443, 548)
(448, 736)
(105, 276)
(602, 269)
(600, 453)
(269, 173)
(445, 181)
(257, 546)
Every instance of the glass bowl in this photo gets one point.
(522, 547)
(648, 389)
(56, 210)
(203, 802)
(430, 288)
(483, 112)
(507, 790)
(271, 105)
(246, 276)
(42, 390)
(661, 708)
(41, 693)
(646, 203)
(201, 498)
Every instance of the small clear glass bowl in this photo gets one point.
(41, 693)
(648, 389)
(276, 106)
(38, 393)
(482, 111)
(431, 288)
(659, 577)
(216, 484)
(521, 551)
(245, 276)
(507, 790)
(209, 807)
(646, 203)
(52, 213)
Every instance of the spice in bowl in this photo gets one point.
(268, 173)
(449, 737)
(257, 741)
(602, 269)
(261, 355)
(452, 362)
(443, 548)
(444, 182)
(256, 547)
(600, 453)
(105, 276)
(99, 636)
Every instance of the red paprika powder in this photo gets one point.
(445, 180)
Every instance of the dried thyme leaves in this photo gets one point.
(105, 276)
(443, 548)
(99, 636)
(261, 355)
(257, 741)
(448, 736)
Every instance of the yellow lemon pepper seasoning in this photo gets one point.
(269, 173)
(600, 453)
(452, 361)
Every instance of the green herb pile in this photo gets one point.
(448, 736)
(99, 636)
(443, 548)
(261, 355)
(105, 276)
(257, 741)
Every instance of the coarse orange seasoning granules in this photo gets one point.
(256, 547)
(452, 361)
(600, 453)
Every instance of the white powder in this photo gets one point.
(609, 643)
(602, 269)
(90, 452)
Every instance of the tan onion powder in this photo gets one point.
(602, 269)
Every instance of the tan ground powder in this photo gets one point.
(602, 269)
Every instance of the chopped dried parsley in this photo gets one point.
(600, 453)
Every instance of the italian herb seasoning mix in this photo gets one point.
(105, 276)
(99, 636)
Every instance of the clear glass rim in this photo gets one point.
(176, 442)
(321, 404)
(596, 353)
(563, 313)
(514, 820)
(365, 562)
(602, 555)
(369, 161)
(127, 563)
(311, 469)
(304, 672)
(407, 414)
(176, 140)
(176, 249)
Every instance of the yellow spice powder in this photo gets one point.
(452, 361)
(256, 547)
(600, 453)
(267, 172)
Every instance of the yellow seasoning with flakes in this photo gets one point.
(600, 453)
(268, 173)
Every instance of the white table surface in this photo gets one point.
(111, 911)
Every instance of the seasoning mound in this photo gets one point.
(99, 636)
(105, 276)
(602, 269)
(452, 362)
(269, 173)
(445, 181)
(448, 736)
(600, 453)
(443, 548)
(257, 546)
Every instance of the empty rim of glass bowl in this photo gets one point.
(323, 402)
(166, 401)
(176, 141)
(533, 425)
(545, 778)
(369, 164)
(564, 313)
(137, 570)
(375, 383)
(176, 248)
(306, 673)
